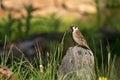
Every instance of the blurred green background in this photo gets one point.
(102, 26)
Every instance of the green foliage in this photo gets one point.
(15, 28)
(25, 69)
(105, 65)
(12, 28)
(46, 24)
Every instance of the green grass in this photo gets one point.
(24, 69)
(17, 28)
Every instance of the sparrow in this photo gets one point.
(78, 37)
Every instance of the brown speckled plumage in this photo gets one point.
(78, 37)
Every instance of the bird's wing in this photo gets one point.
(80, 36)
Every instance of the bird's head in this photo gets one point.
(73, 27)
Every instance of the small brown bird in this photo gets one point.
(78, 37)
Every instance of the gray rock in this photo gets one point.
(77, 64)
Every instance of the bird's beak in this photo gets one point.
(72, 27)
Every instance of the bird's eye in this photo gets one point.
(74, 27)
